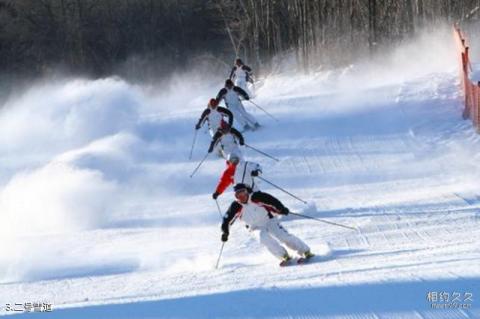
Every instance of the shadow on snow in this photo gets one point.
(382, 298)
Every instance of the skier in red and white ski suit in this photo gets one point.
(238, 171)
(257, 210)
(214, 115)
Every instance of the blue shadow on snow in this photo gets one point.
(381, 298)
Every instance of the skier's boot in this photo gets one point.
(285, 260)
(308, 254)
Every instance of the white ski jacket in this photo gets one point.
(259, 208)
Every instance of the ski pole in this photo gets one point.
(193, 144)
(263, 153)
(198, 166)
(219, 255)
(323, 221)
(261, 108)
(283, 190)
(219, 210)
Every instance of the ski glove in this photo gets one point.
(215, 195)
(224, 237)
(256, 172)
(285, 211)
(210, 149)
(197, 127)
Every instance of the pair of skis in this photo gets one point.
(296, 261)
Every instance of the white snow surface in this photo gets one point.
(100, 218)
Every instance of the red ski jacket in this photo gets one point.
(226, 179)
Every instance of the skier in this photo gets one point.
(228, 139)
(214, 115)
(238, 171)
(230, 94)
(257, 210)
(241, 74)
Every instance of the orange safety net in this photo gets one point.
(471, 90)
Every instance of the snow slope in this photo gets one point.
(101, 219)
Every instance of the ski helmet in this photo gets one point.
(228, 83)
(213, 103)
(239, 187)
(242, 193)
(224, 126)
(233, 158)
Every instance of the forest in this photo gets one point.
(145, 39)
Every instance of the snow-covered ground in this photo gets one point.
(101, 219)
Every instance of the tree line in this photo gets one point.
(154, 37)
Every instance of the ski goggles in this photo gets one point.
(241, 194)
